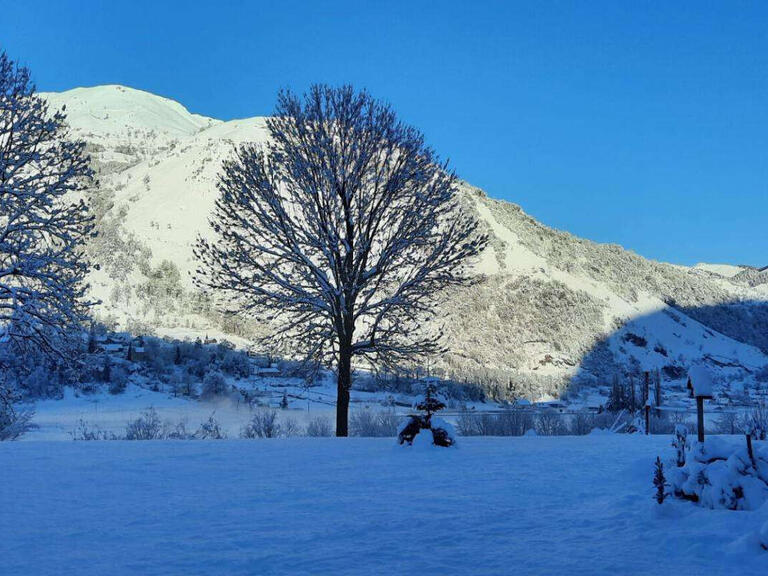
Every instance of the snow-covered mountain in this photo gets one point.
(548, 308)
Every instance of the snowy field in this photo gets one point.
(527, 505)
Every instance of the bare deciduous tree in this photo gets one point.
(341, 233)
(44, 221)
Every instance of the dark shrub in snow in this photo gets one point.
(635, 339)
(673, 372)
(408, 430)
(443, 433)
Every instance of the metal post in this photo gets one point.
(700, 416)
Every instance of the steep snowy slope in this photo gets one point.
(548, 306)
(120, 111)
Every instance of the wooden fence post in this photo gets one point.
(700, 416)
(647, 418)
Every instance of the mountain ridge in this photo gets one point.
(543, 301)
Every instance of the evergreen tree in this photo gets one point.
(431, 403)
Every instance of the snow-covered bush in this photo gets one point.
(582, 423)
(418, 427)
(14, 422)
(680, 443)
(320, 426)
(719, 473)
(263, 424)
(183, 383)
(666, 423)
(372, 423)
(236, 363)
(729, 423)
(158, 356)
(118, 380)
(550, 424)
(210, 430)
(148, 426)
(41, 382)
(443, 434)
(756, 422)
(511, 422)
(465, 423)
(214, 384)
(85, 432)
(289, 428)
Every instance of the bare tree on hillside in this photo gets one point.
(44, 222)
(341, 233)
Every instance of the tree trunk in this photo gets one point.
(344, 383)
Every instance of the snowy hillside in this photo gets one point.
(548, 306)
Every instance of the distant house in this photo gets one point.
(259, 359)
(135, 351)
(596, 404)
(271, 370)
(139, 353)
(557, 405)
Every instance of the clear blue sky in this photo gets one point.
(640, 123)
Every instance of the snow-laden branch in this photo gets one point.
(44, 222)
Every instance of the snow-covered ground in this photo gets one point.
(529, 505)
